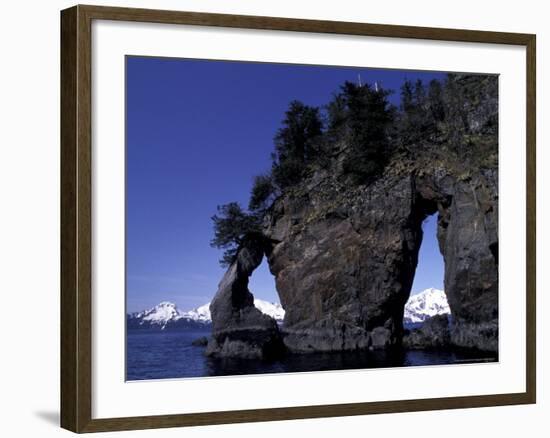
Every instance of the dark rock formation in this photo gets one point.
(434, 333)
(238, 328)
(344, 254)
(344, 258)
(200, 342)
(344, 262)
(469, 242)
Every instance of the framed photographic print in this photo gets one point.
(268, 218)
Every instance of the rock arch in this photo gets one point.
(468, 240)
(344, 259)
(239, 329)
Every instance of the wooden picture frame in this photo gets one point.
(76, 218)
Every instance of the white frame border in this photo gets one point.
(112, 397)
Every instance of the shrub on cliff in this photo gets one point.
(294, 143)
(471, 103)
(363, 115)
(470, 128)
(421, 111)
(453, 113)
(337, 114)
(262, 194)
(436, 103)
(232, 226)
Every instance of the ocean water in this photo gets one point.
(170, 354)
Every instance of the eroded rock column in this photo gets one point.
(470, 248)
(239, 329)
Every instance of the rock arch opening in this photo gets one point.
(426, 315)
(263, 288)
(427, 297)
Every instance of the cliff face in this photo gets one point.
(344, 259)
(468, 238)
(344, 254)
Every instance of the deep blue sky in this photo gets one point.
(197, 133)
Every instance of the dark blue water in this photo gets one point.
(170, 354)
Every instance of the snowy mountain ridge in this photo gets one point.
(428, 303)
(168, 314)
(418, 308)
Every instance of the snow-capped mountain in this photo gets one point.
(200, 314)
(167, 314)
(159, 314)
(275, 310)
(425, 304)
(419, 307)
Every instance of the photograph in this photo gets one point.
(286, 218)
(269, 220)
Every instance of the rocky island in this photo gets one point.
(339, 220)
